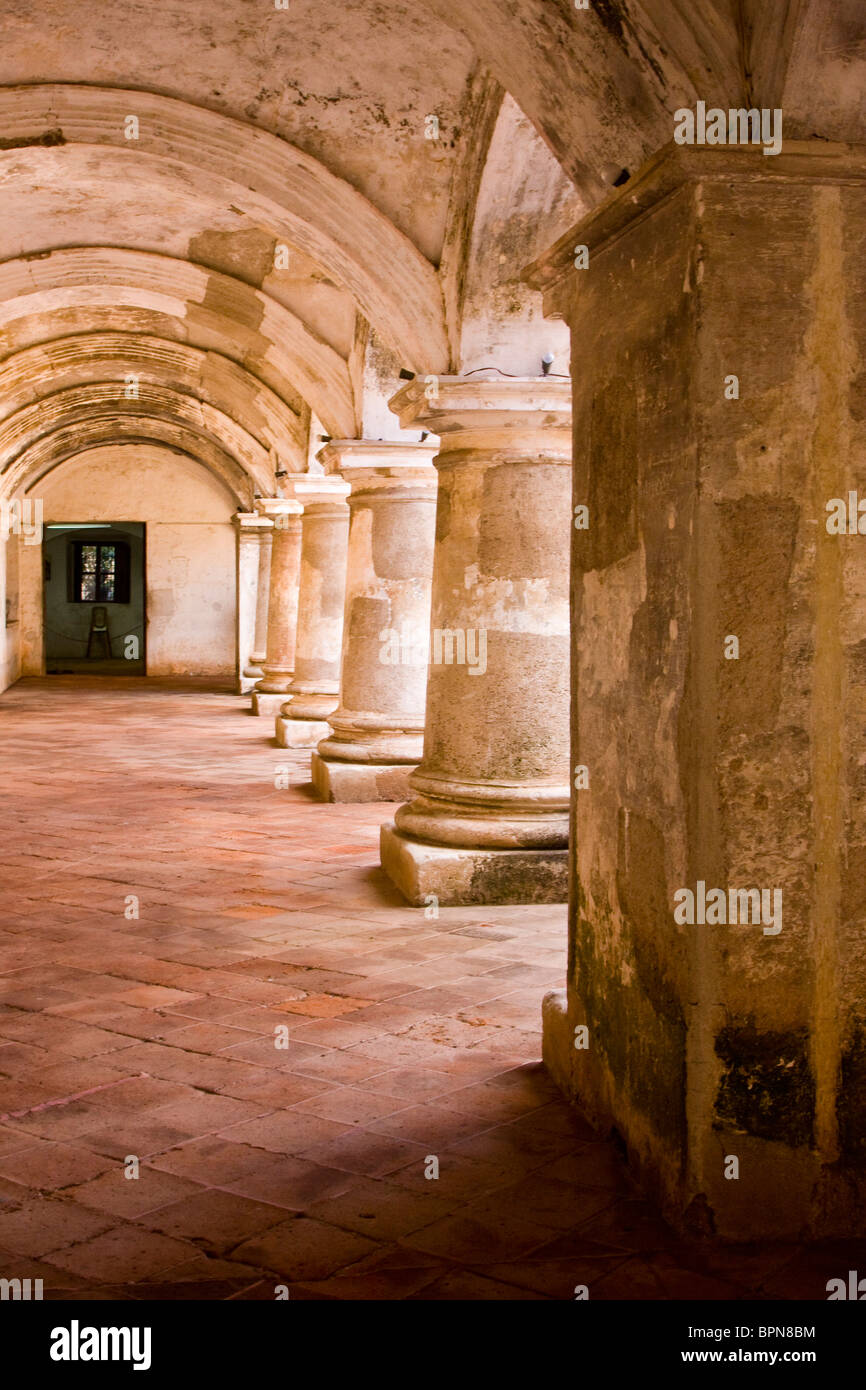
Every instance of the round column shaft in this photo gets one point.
(253, 539)
(253, 669)
(492, 789)
(315, 687)
(270, 692)
(376, 733)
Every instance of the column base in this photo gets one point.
(336, 781)
(265, 703)
(463, 877)
(557, 1042)
(785, 1195)
(300, 733)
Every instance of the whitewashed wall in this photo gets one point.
(190, 553)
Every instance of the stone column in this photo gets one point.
(315, 688)
(254, 551)
(252, 671)
(716, 1001)
(488, 821)
(270, 692)
(376, 733)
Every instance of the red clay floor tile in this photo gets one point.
(264, 914)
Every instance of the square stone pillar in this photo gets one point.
(716, 1001)
(253, 545)
(315, 688)
(271, 691)
(376, 733)
(488, 817)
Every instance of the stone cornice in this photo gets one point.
(251, 521)
(315, 489)
(278, 506)
(392, 458)
(477, 412)
(672, 167)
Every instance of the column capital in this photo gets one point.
(273, 507)
(251, 521)
(505, 413)
(673, 167)
(374, 464)
(317, 490)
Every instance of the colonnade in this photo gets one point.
(415, 604)
(713, 689)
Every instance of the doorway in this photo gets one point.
(94, 598)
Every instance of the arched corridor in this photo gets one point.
(432, 661)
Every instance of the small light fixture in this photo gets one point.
(547, 362)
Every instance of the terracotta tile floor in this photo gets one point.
(263, 915)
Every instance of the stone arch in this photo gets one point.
(183, 147)
(49, 452)
(133, 291)
(41, 372)
(600, 84)
(522, 202)
(74, 408)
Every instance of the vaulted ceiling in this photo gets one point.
(239, 205)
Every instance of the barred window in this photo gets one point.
(100, 572)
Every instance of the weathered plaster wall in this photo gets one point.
(190, 552)
(10, 662)
(707, 519)
(375, 373)
(350, 86)
(525, 202)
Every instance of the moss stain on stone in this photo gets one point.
(767, 1087)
